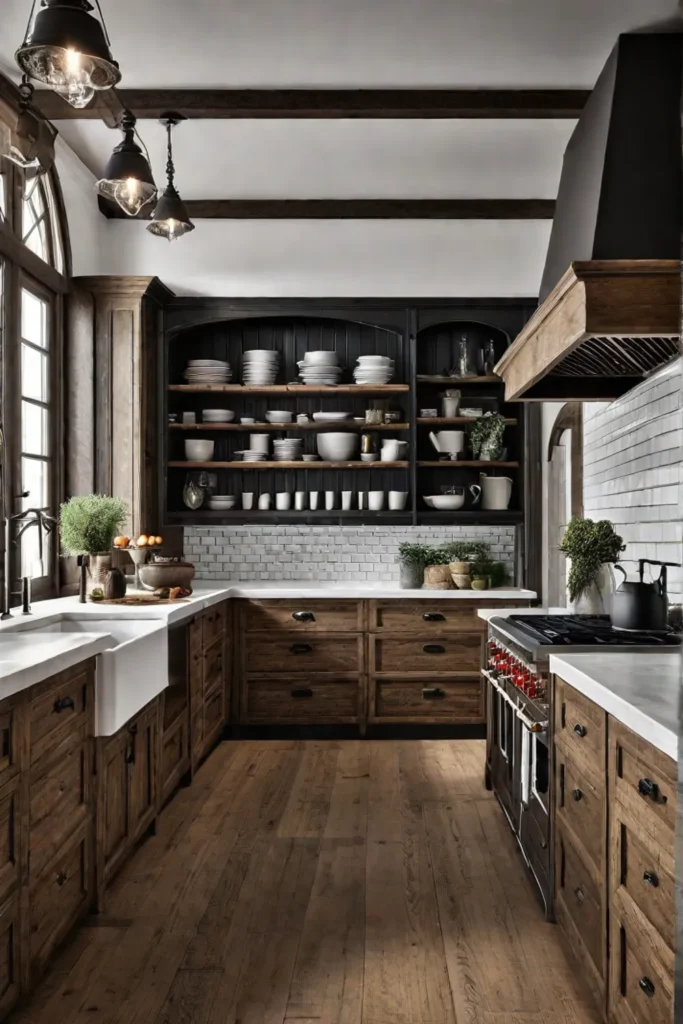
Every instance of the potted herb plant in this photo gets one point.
(412, 559)
(486, 436)
(592, 547)
(88, 524)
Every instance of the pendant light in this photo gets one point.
(170, 218)
(32, 140)
(127, 178)
(68, 50)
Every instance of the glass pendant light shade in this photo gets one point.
(67, 49)
(127, 178)
(170, 218)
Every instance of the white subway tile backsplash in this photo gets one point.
(324, 552)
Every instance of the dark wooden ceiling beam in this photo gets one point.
(331, 103)
(362, 209)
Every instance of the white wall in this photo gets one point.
(87, 226)
(337, 258)
(632, 470)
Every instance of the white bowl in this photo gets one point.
(218, 415)
(445, 502)
(330, 417)
(320, 357)
(279, 416)
(199, 451)
(335, 447)
(375, 360)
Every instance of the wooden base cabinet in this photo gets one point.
(209, 680)
(614, 826)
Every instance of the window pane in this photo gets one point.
(36, 241)
(33, 318)
(33, 374)
(3, 196)
(33, 429)
(30, 553)
(34, 479)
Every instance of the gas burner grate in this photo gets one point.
(586, 631)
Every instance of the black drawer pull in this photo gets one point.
(434, 649)
(63, 703)
(62, 878)
(302, 693)
(303, 616)
(301, 648)
(647, 987)
(130, 754)
(580, 895)
(650, 789)
(580, 730)
(434, 617)
(652, 879)
(433, 693)
(577, 794)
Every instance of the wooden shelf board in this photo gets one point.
(429, 378)
(442, 421)
(293, 389)
(250, 427)
(256, 515)
(476, 463)
(295, 465)
(471, 515)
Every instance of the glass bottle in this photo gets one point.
(489, 357)
(463, 358)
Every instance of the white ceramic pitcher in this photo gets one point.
(496, 492)
(448, 441)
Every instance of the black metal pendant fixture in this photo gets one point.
(170, 218)
(32, 139)
(68, 50)
(127, 178)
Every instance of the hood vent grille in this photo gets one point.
(618, 357)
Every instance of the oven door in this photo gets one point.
(504, 750)
(534, 818)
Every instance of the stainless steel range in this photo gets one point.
(520, 717)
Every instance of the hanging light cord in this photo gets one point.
(104, 26)
(170, 169)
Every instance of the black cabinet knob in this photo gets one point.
(301, 693)
(651, 791)
(433, 693)
(647, 987)
(303, 616)
(434, 617)
(301, 648)
(580, 895)
(63, 703)
(651, 879)
(434, 649)
(577, 794)
(580, 730)
(62, 878)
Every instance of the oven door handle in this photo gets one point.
(529, 725)
(501, 691)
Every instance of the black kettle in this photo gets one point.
(640, 606)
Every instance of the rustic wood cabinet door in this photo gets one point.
(9, 955)
(114, 798)
(143, 770)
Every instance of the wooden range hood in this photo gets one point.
(603, 328)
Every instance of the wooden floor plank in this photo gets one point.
(316, 882)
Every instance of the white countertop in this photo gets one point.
(640, 689)
(364, 591)
(25, 661)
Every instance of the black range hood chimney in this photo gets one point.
(621, 191)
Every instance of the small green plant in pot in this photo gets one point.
(486, 436)
(88, 524)
(412, 559)
(592, 547)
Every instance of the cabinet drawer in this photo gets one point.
(426, 617)
(641, 986)
(580, 907)
(10, 820)
(303, 700)
(213, 623)
(580, 806)
(64, 707)
(285, 652)
(304, 615)
(580, 726)
(638, 874)
(417, 700)
(57, 899)
(435, 654)
(59, 803)
(9, 955)
(643, 780)
(214, 675)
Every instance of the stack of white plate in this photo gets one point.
(208, 371)
(373, 370)
(331, 417)
(289, 449)
(217, 415)
(320, 368)
(249, 455)
(260, 367)
(222, 502)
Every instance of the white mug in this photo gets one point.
(189, 417)
(283, 501)
(449, 407)
(247, 419)
(397, 500)
(313, 500)
(376, 501)
(264, 502)
(247, 500)
(390, 450)
(347, 497)
(329, 499)
(299, 500)
(259, 443)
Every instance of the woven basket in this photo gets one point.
(437, 577)
(462, 581)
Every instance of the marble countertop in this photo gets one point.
(639, 689)
(26, 660)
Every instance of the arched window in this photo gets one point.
(33, 281)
